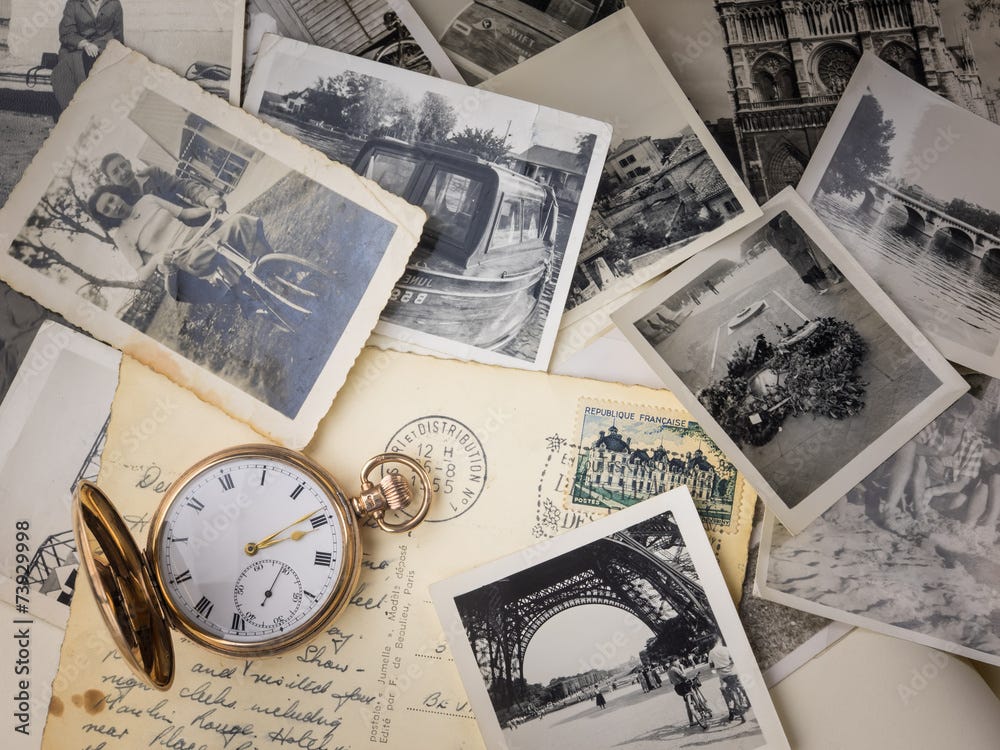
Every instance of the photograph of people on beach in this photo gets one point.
(911, 551)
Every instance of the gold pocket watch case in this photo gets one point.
(251, 552)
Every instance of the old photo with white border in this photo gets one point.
(788, 354)
(654, 622)
(389, 31)
(208, 246)
(507, 186)
(911, 551)
(906, 180)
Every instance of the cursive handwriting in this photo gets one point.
(203, 694)
(307, 741)
(360, 600)
(314, 655)
(228, 732)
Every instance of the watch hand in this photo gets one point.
(267, 594)
(294, 536)
(251, 547)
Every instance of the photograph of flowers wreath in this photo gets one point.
(809, 369)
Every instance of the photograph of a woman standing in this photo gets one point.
(85, 30)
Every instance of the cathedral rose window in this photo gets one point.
(835, 66)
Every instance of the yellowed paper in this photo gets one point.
(497, 442)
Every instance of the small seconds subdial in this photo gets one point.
(268, 595)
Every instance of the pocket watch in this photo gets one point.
(251, 552)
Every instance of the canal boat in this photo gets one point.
(487, 247)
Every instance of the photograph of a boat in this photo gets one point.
(487, 247)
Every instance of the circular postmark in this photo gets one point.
(453, 457)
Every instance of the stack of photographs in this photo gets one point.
(810, 339)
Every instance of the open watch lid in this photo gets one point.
(122, 586)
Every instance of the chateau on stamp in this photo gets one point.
(790, 61)
(617, 470)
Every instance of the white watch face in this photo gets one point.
(250, 549)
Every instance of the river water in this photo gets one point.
(940, 287)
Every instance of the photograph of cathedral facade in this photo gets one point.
(622, 465)
(790, 60)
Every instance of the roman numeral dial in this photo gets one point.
(250, 549)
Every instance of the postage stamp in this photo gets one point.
(626, 453)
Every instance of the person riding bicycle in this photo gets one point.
(729, 682)
(683, 684)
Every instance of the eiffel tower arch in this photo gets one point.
(636, 570)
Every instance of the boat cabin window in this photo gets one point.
(451, 203)
(391, 171)
(508, 227)
(518, 221)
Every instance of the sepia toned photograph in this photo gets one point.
(507, 187)
(666, 191)
(911, 551)
(47, 50)
(766, 76)
(903, 178)
(486, 37)
(172, 237)
(387, 31)
(791, 358)
(626, 636)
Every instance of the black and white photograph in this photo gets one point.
(507, 187)
(791, 358)
(911, 551)
(48, 48)
(766, 76)
(66, 377)
(168, 234)
(388, 31)
(904, 178)
(667, 190)
(624, 636)
(486, 37)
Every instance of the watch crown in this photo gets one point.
(396, 490)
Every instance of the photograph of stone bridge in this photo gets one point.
(904, 179)
(926, 216)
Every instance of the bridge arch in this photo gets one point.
(957, 238)
(914, 218)
(634, 570)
